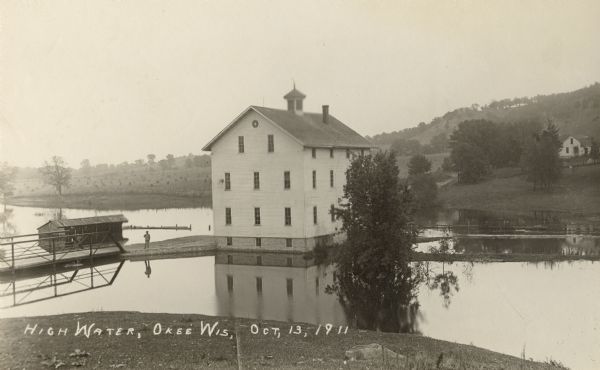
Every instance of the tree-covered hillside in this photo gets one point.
(574, 113)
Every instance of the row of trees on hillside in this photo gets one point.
(540, 158)
(438, 144)
(422, 183)
(169, 162)
(479, 146)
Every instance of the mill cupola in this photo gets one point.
(294, 100)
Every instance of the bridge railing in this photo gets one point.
(52, 246)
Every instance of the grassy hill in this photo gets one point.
(177, 181)
(575, 113)
(125, 186)
(578, 192)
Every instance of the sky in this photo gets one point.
(114, 80)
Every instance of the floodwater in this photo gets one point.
(26, 220)
(542, 310)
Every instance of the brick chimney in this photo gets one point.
(326, 114)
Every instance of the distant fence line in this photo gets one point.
(514, 229)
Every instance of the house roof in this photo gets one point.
(308, 129)
(110, 219)
(583, 140)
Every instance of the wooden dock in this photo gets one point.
(176, 227)
(21, 252)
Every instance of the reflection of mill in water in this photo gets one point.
(287, 287)
(274, 286)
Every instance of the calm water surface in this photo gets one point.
(546, 310)
(26, 220)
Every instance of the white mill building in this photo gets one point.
(276, 175)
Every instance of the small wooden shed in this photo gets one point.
(82, 232)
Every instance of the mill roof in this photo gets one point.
(109, 219)
(307, 128)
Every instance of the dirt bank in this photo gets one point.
(143, 344)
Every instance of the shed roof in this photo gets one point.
(109, 219)
(307, 128)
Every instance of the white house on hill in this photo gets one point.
(276, 175)
(574, 146)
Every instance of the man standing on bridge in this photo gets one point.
(147, 240)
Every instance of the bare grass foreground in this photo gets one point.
(179, 341)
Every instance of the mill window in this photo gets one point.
(228, 216)
(256, 180)
(270, 144)
(257, 216)
(227, 181)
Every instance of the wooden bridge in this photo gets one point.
(54, 249)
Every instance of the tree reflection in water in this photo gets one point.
(445, 281)
(8, 228)
(387, 301)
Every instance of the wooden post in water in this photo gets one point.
(14, 281)
(54, 266)
(91, 254)
(53, 251)
(12, 255)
